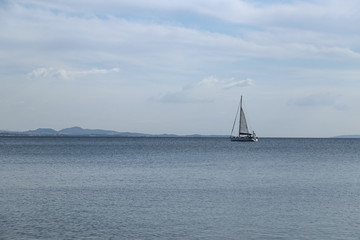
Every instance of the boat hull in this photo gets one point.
(244, 139)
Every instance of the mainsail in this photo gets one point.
(243, 125)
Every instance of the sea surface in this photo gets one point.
(179, 188)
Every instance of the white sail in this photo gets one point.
(243, 125)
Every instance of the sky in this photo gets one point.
(180, 66)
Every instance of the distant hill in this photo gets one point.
(78, 131)
(42, 131)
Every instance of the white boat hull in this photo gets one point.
(244, 139)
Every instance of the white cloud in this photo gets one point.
(224, 83)
(54, 73)
(95, 71)
(49, 72)
(204, 91)
(320, 14)
(39, 37)
(182, 97)
(284, 45)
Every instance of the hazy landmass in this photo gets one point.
(78, 131)
(348, 136)
(81, 132)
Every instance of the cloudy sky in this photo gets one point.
(180, 66)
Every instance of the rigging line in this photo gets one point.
(235, 121)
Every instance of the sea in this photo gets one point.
(179, 188)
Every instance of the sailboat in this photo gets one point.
(243, 135)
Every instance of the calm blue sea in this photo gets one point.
(179, 188)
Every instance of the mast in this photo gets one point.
(240, 107)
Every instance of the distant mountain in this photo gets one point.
(78, 131)
(41, 131)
